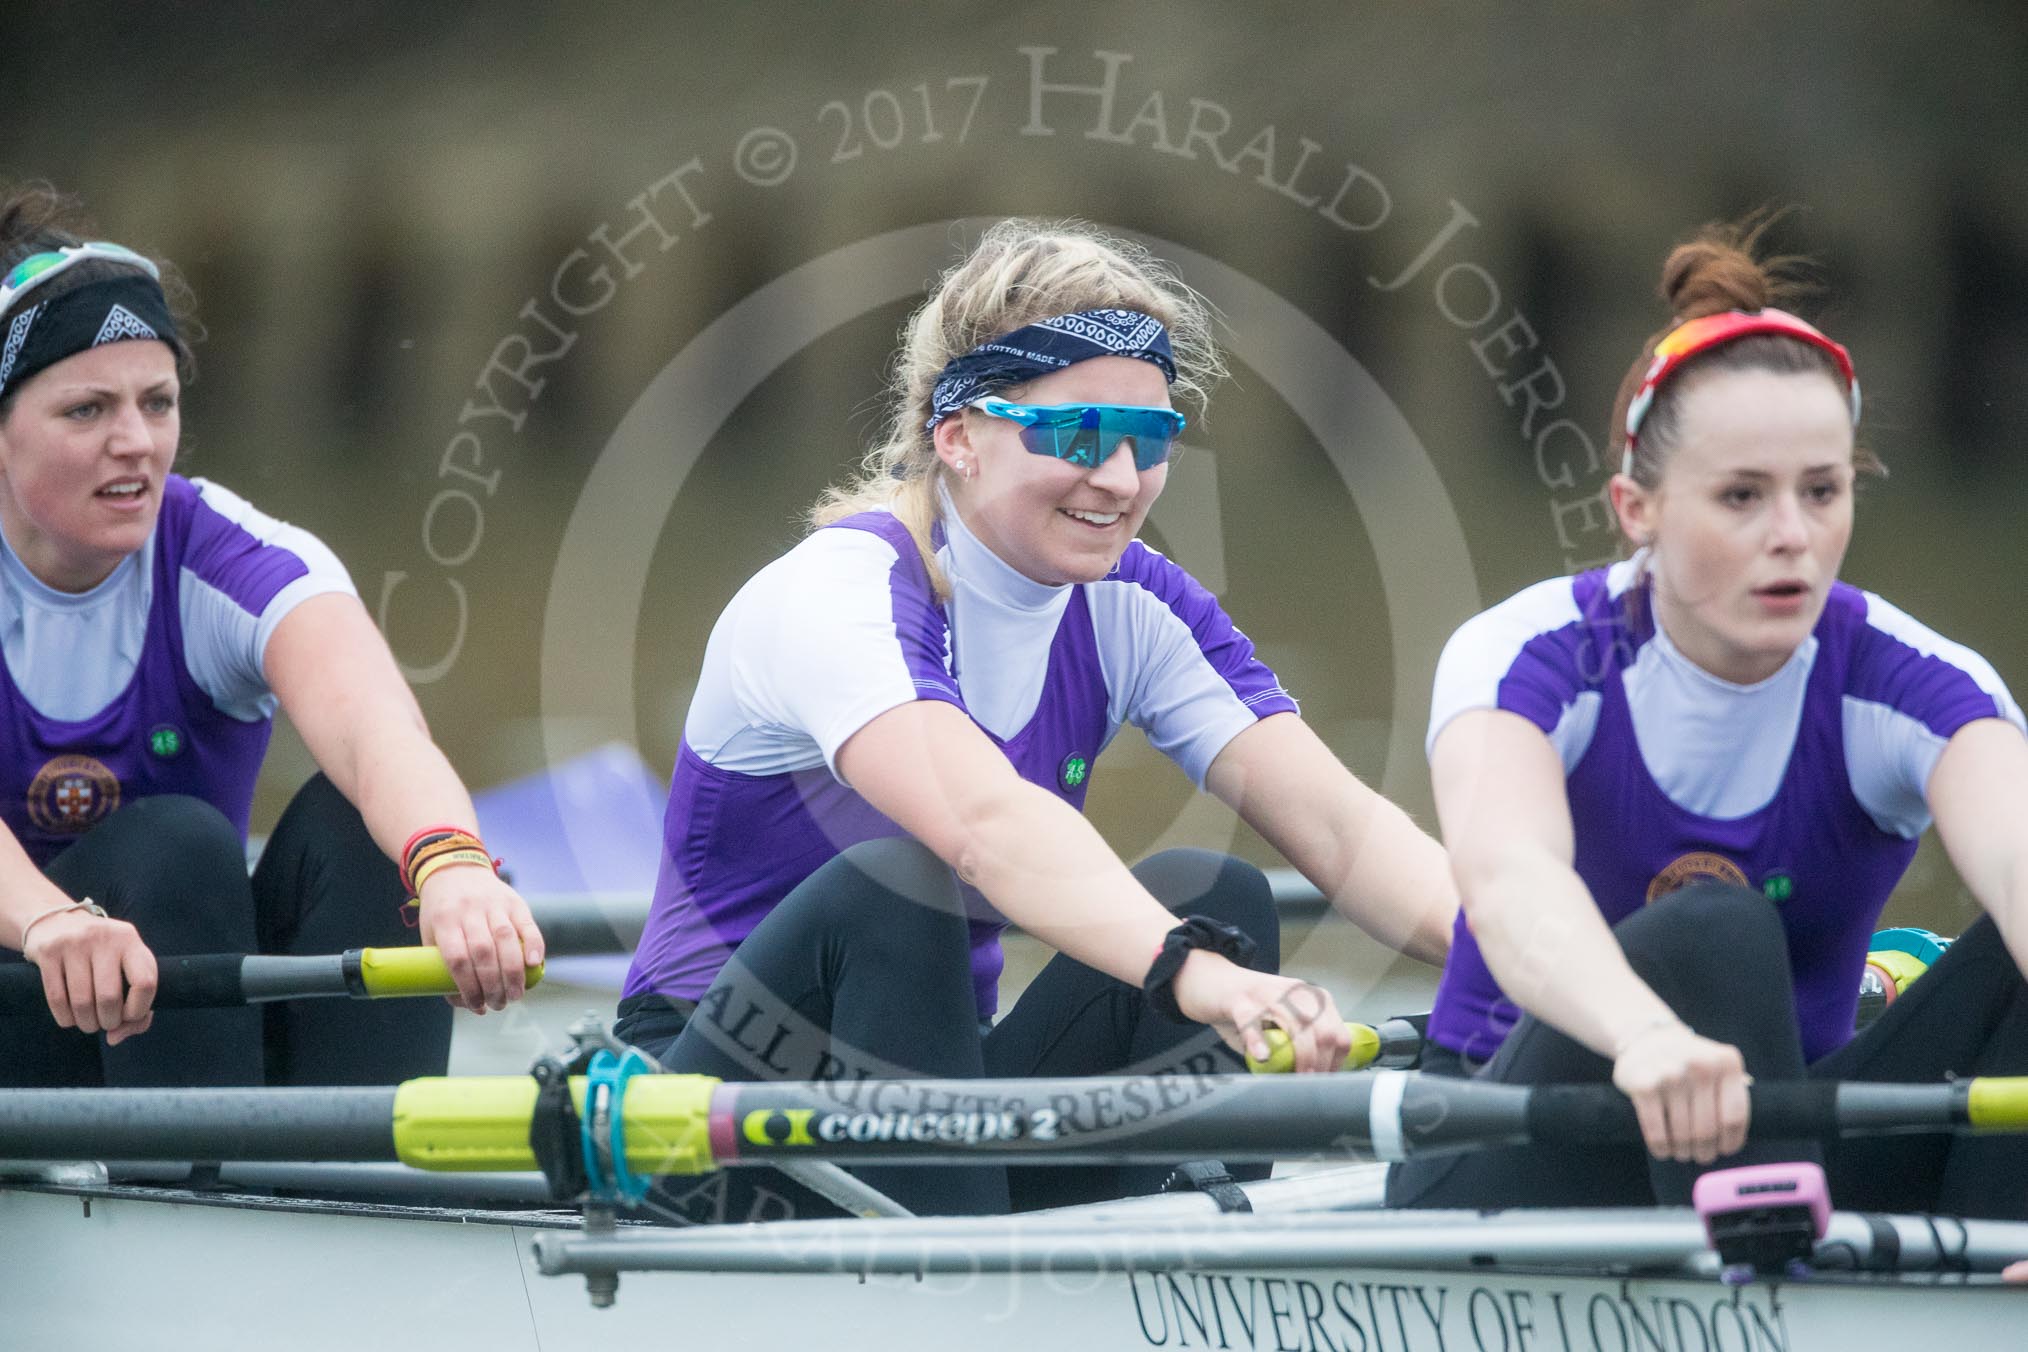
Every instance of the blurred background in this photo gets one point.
(551, 320)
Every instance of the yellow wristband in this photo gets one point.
(428, 868)
(424, 853)
(430, 842)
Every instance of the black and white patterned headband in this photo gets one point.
(111, 310)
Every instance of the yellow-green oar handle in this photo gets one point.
(386, 972)
(478, 1123)
(1998, 1103)
(1282, 1053)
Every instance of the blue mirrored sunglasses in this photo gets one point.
(1087, 434)
(38, 268)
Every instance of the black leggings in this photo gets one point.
(175, 868)
(862, 972)
(1718, 956)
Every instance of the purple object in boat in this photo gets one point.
(592, 825)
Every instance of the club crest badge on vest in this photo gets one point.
(1074, 771)
(71, 793)
(1696, 867)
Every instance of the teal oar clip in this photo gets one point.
(605, 1092)
(1920, 944)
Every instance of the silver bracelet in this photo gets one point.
(87, 905)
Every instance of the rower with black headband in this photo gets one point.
(897, 722)
(151, 625)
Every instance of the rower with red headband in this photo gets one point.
(150, 627)
(1678, 790)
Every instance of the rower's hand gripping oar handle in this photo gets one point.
(1599, 1114)
(389, 972)
(223, 980)
(194, 981)
(1796, 1109)
(1392, 1044)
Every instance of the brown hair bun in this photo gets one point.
(1712, 274)
(1720, 268)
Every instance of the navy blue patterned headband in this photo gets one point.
(1049, 345)
(112, 310)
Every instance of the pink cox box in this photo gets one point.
(1763, 1216)
(1726, 1191)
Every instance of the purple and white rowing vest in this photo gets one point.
(151, 682)
(847, 626)
(1809, 786)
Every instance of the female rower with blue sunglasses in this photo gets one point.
(150, 625)
(896, 723)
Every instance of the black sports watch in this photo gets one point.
(1196, 932)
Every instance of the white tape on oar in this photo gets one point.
(1383, 1114)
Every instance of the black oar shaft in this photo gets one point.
(688, 1124)
(198, 981)
(1782, 1109)
(1389, 1115)
(342, 1124)
(221, 980)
